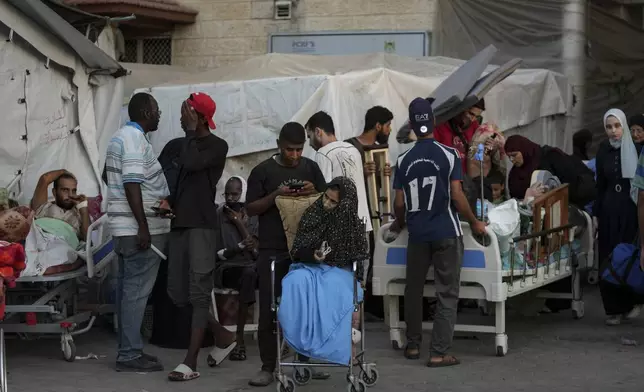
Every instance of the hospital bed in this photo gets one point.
(490, 276)
(44, 305)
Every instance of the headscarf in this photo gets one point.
(628, 153)
(637, 119)
(244, 187)
(519, 178)
(341, 227)
(481, 135)
(580, 141)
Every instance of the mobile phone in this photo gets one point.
(161, 211)
(296, 186)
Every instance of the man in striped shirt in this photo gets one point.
(135, 183)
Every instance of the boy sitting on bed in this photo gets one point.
(68, 206)
(497, 183)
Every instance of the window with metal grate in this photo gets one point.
(149, 50)
(130, 55)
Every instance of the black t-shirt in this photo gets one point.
(202, 163)
(169, 160)
(264, 179)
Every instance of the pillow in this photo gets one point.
(15, 224)
(291, 209)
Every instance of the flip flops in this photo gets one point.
(183, 373)
(218, 355)
(238, 354)
(446, 361)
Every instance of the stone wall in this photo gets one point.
(228, 31)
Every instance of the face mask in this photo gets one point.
(235, 206)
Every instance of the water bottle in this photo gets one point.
(480, 206)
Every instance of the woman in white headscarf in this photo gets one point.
(615, 209)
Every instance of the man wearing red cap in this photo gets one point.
(195, 230)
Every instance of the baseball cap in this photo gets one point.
(421, 117)
(204, 105)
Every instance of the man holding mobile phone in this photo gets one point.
(285, 173)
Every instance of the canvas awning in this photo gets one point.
(93, 57)
(152, 16)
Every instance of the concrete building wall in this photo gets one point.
(228, 31)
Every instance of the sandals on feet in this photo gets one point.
(183, 373)
(238, 354)
(412, 351)
(218, 355)
(445, 361)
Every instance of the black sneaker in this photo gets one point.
(139, 365)
(150, 358)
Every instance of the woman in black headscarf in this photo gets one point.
(318, 292)
(333, 219)
(527, 156)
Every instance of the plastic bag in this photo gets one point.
(504, 221)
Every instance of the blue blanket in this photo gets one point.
(315, 311)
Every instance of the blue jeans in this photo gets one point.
(137, 273)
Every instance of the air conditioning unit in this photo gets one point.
(283, 9)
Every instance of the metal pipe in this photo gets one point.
(543, 233)
(120, 19)
(574, 56)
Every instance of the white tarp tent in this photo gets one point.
(47, 103)
(256, 97)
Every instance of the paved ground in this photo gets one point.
(547, 353)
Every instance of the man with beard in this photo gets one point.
(136, 184)
(376, 132)
(195, 231)
(286, 173)
(67, 206)
(458, 131)
(237, 254)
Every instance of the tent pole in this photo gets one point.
(574, 56)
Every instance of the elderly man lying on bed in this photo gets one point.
(316, 312)
(65, 217)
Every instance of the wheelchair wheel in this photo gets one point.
(370, 377)
(302, 375)
(285, 386)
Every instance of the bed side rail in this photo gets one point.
(540, 246)
(90, 247)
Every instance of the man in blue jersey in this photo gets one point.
(428, 187)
